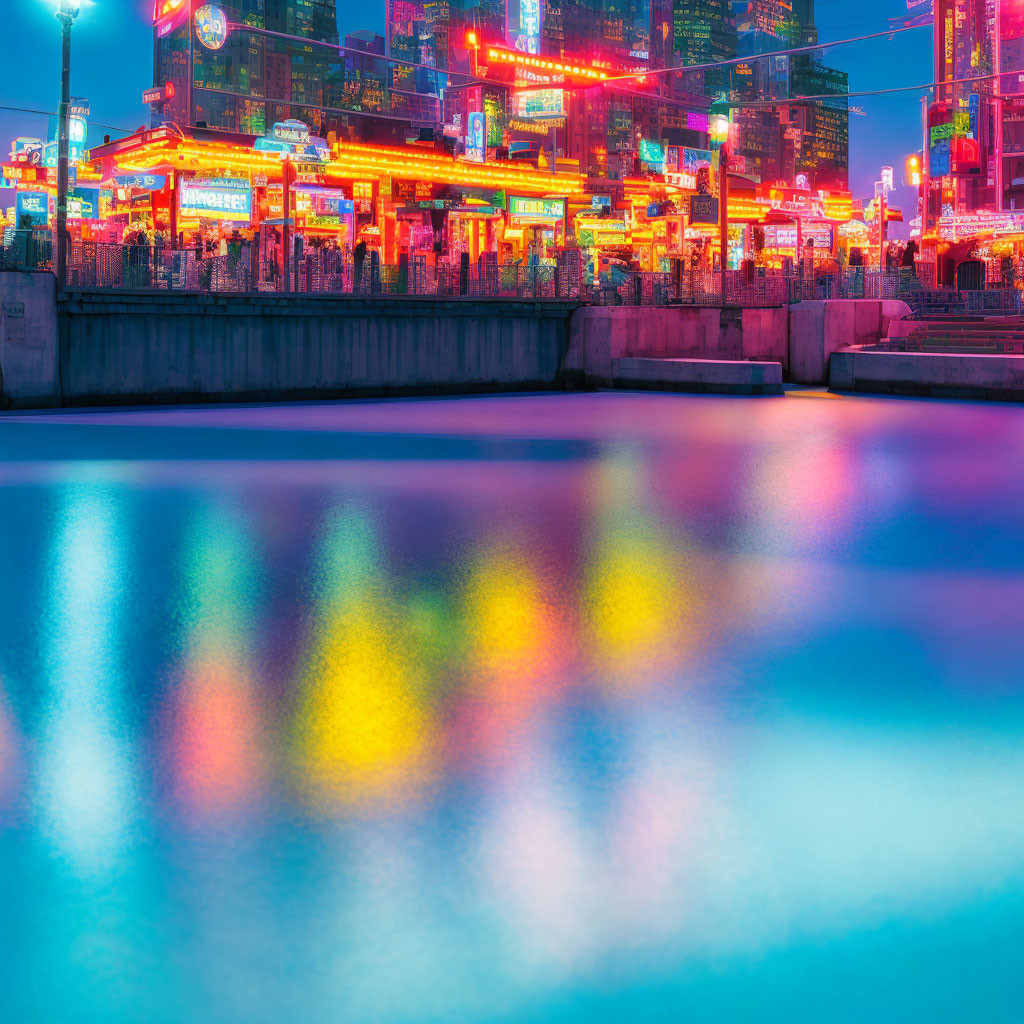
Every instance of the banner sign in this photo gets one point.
(34, 205)
(147, 182)
(216, 199)
(84, 204)
(652, 153)
(536, 209)
(538, 102)
(703, 210)
(476, 137)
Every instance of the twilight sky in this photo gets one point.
(112, 63)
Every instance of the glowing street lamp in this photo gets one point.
(66, 13)
(718, 129)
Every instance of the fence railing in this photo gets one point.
(247, 269)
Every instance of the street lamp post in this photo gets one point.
(67, 11)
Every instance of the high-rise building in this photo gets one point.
(254, 78)
(966, 162)
(821, 129)
(781, 141)
(703, 32)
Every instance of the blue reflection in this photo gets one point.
(85, 791)
(563, 708)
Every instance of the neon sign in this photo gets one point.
(521, 60)
(211, 27)
(538, 102)
(169, 15)
(516, 124)
(476, 137)
(216, 199)
(529, 21)
(536, 209)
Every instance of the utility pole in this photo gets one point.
(925, 170)
(723, 218)
(286, 213)
(66, 14)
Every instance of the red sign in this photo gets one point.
(159, 93)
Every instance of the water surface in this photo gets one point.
(539, 708)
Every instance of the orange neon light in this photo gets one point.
(524, 60)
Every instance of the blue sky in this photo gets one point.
(112, 63)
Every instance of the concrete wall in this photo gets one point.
(138, 348)
(819, 328)
(938, 375)
(28, 340)
(603, 333)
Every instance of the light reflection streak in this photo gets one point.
(639, 601)
(217, 756)
(85, 790)
(10, 753)
(519, 647)
(364, 731)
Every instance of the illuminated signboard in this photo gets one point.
(536, 209)
(607, 231)
(211, 26)
(159, 93)
(169, 15)
(26, 150)
(216, 199)
(700, 166)
(34, 205)
(146, 182)
(548, 69)
(652, 153)
(529, 23)
(538, 102)
(76, 142)
(293, 137)
(83, 204)
(515, 124)
(476, 137)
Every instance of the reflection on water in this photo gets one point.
(83, 774)
(692, 728)
(363, 727)
(216, 746)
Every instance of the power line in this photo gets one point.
(53, 113)
(355, 50)
(772, 53)
(925, 87)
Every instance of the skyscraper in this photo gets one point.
(253, 79)
(703, 32)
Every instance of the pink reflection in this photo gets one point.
(10, 759)
(217, 763)
(520, 648)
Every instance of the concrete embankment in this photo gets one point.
(28, 340)
(152, 348)
(932, 374)
(110, 347)
(601, 335)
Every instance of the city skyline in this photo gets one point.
(119, 107)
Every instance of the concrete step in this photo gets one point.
(941, 375)
(709, 376)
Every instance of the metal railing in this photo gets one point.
(245, 269)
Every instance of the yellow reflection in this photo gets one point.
(639, 597)
(218, 760)
(515, 629)
(363, 731)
